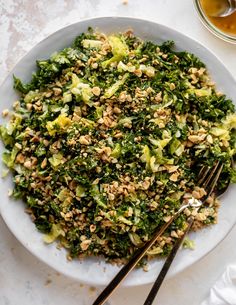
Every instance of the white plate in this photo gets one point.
(94, 271)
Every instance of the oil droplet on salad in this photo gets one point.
(213, 7)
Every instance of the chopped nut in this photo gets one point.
(5, 112)
(28, 164)
(111, 196)
(85, 140)
(167, 218)
(20, 158)
(34, 161)
(94, 65)
(48, 94)
(118, 135)
(44, 163)
(85, 244)
(197, 138)
(174, 177)
(18, 145)
(174, 234)
(146, 184)
(209, 139)
(201, 217)
(96, 91)
(29, 106)
(198, 193)
(45, 142)
(57, 91)
(138, 72)
(92, 228)
(117, 110)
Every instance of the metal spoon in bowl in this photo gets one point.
(224, 8)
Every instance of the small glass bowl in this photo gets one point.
(211, 27)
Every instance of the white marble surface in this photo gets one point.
(24, 279)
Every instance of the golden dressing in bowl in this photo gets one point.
(225, 24)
